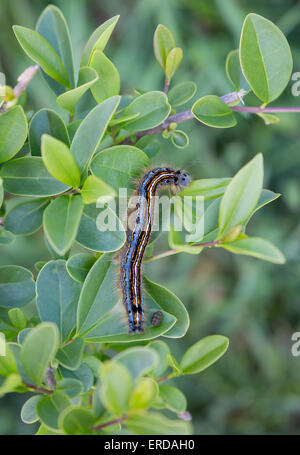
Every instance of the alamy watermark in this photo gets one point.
(296, 86)
(183, 213)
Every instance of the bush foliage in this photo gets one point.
(67, 342)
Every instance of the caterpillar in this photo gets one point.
(138, 237)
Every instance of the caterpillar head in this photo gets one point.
(183, 179)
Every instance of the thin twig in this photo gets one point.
(161, 255)
(259, 110)
(39, 389)
(166, 86)
(171, 252)
(229, 99)
(108, 424)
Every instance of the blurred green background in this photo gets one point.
(255, 387)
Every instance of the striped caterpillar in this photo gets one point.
(138, 237)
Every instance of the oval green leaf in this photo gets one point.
(181, 93)
(100, 230)
(86, 78)
(28, 176)
(59, 161)
(98, 39)
(211, 111)
(91, 131)
(41, 52)
(79, 265)
(53, 27)
(256, 247)
(61, 221)
(57, 297)
(13, 132)
(16, 286)
(153, 108)
(26, 216)
(241, 195)
(265, 57)
(39, 350)
(119, 165)
(46, 121)
(108, 83)
(203, 354)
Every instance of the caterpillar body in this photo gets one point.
(137, 240)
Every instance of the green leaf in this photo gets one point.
(46, 121)
(59, 161)
(53, 27)
(241, 195)
(49, 408)
(41, 52)
(70, 356)
(113, 329)
(173, 61)
(149, 145)
(154, 423)
(17, 318)
(178, 243)
(116, 387)
(108, 83)
(144, 394)
(163, 43)
(6, 237)
(8, 364)
(94, 363)
(28, 176)
(13, 132)
(61, 222)
(39, 350)
(94, 235)
(269, 119)
(138, 360)
(26, 216)
(79, 266)
(91, 131)
(203, 353)
(119, 165)
(211, 111)
(208, 188)
(10, 384)
(233, 69)
(153, 108)
(266, 197)
(172, 398)
(265, 57)
(171, 304)
(16, 286)
(94, 188)
(172, 362)
(256, 247)
(28, 411)
(86, 79)
(162, 350)
(181, 93)
(71, 386)
(84, 374)
(57, 297)
(96, 297)
(98, 39)
(179, 138)
(76, 420)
